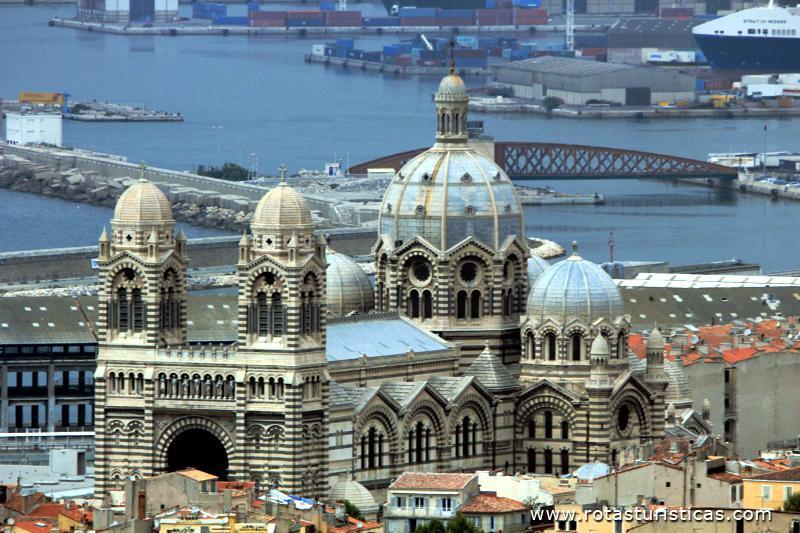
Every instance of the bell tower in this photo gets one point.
(281, 334)
(142, 309)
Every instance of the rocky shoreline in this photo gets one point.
(188, 205)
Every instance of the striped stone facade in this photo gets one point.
(263, 399)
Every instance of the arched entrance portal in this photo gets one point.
(197, 448)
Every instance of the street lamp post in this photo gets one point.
(219, 141)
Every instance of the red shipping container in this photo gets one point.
(343, 18)
(305, 15)
(418, 21)
(256, 23)
(402, 61)
(594, 51)
(469, 53)
(268, 15)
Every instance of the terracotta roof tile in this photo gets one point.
(414, 480)
(32, 526)
(730, 477)
(46, 511)
(492, 503)
(735, 355)
(791, 474)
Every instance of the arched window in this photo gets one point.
(277, 315)
(550, 346)
(530, 345)
(411, 442)
(614, 457)
(413, 304)
(138, 310)
(363, 452)
(475, 305)
(548, 461)
(461, 305)
(576, 343)
(564, 429)
(279, 392)
(420, 442)
(465, 429)
(621, 345)
(531, 428)
(427, 304)
(548, 424)
(564, 462)
(507, 301)
(458, 441)
(371, 447)
(262, 314)
(531, 460)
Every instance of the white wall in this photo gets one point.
(33, 129)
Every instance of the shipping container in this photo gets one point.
(268, 15)
(372, 56)
(456, 13)
(345, 42)
(594, 52)
(591, 41)
(402, 61)
(391, 50)
(412, 12)
(467, 41)
(451, 21)
(231, 21)
(267, 23)
(493, 17)
(327, 6)
(253, 6)
(491, 4)
(418, 21)
(330, 51)
(318, 49)
(683, 13)
(355, 54)
(343, 19)
(305, 15)
(378, 22)
(305, 23)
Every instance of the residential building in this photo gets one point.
(415, 498)
(770, 490)
(492, 513)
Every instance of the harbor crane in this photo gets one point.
(569, 27)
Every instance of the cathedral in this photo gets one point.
(542, 380)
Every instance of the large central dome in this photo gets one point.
(445, 196)
(451, 191)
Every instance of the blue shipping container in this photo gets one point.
(699, 85)
(487, 42)
(491, 4)
(467, 41)
(305, 23)
(327, 6)
(374, 22)
(231, 21)
(344, 42)
(253, 6)
(411, 12)
(391, 50)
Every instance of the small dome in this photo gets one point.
(655, 341)
(452, 85)
(354, 492)
(599, 346)
(445, 196)
(282, 207)
(347, 286)
(575, 288)
(536, 265)
(143, 202)
(491, 372)
(591, 471)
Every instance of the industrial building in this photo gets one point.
(125, 11)
(582, 81)
(630, 40)
(699, 7)
(33, 128)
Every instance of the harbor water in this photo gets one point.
(241, 96)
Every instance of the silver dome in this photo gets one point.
(575, 288)
(345, 489)
(446, 195)
(347, 286)
(536, 265)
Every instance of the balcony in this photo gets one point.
(417, 512)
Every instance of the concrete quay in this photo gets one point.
(375, 66)
(515, 105)
(199, 200)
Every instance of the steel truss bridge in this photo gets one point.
(539, 161)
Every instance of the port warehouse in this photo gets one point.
(629, 40)
(128, 10)
(580, 81)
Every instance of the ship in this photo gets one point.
(758, 39)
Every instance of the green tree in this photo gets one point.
(460, 524)
(552, 102)
(434, 526)
(229, 171)
(792, 503)
(352, 510)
